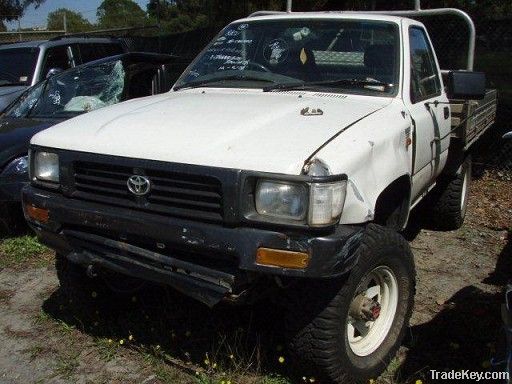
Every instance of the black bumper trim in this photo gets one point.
(101, 244)
(203, 291)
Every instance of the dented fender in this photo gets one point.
(373, 153)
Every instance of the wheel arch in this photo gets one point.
(393, 204)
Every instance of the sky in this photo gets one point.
(37, 17)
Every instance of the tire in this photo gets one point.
(320, 313)
(449, 199)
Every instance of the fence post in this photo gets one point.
(65, 23)
(289, 6)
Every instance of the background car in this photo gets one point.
(28, 63)
(63, 96)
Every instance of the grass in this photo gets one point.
(67, 365)
(23, 251)
(106, 348)
(35, 351)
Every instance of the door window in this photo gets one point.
(91, 52)
(57, 57)
(425, 82)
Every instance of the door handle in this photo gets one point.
(446, 113)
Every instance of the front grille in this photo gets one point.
(172, 193)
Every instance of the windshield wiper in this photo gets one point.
(199, 83)
(344, 82)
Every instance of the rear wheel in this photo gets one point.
(450, 199)
(349, 329)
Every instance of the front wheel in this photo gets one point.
(349, 329)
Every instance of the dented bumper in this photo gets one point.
(185, 254)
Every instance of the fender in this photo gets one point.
(374, 153)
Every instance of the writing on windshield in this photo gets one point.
(315, 51)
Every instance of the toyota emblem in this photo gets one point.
(139, 185)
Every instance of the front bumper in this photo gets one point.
(206, 261)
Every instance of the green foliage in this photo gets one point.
(120, 14)
(75, 21)
(18, 251)
(12, 9)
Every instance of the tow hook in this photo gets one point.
(364, 308)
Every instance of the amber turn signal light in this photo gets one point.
(40, 215)
(281, 258)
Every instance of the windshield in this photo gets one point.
(17, 66)
(315, 52)
(73, 92)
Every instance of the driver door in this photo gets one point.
(430, 115)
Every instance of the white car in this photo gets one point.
(281, 166)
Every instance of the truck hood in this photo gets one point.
(230, 128)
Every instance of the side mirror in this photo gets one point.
(508, 135)
(53, 72)
(466, 85)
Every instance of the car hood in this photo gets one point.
(231, 128)
(15, 135)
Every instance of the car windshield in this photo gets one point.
(17, 66)
(346, 55)
(73, 92)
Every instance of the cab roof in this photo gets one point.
(60, 41)
(323, 15)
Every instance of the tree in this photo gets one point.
(120, 14)
(13, 9)
(176, 15)
(74, 20)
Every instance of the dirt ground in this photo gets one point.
(155, 337)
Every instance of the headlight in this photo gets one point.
(282, 200)
(18, 166)
(318, 204)
(46, 166)
(326, 202)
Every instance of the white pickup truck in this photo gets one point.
(281, 166)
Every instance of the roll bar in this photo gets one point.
(407, 13)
